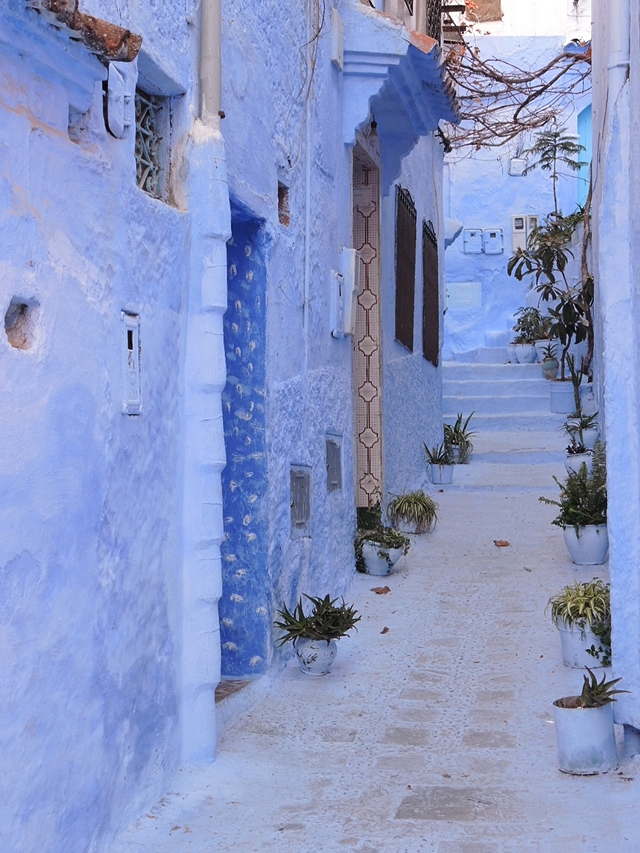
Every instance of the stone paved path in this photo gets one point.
(434, 736)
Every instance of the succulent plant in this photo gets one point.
(327, 621)
(596, 693)
(442, 454)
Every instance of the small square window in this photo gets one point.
(152, 143)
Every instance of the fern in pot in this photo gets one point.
(582, 614)
(314, 635)
(413, 512)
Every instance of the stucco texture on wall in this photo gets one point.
(411, 385)
(482, 194)
(244, 607)
(89, 497)
(308, 373)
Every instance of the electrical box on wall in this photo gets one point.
(522, 227)
(132, 394)
(344, 292)
(463, 295)
(120, 98)
(337, 39)
(472, 241)
(493, 241)
(517, 165)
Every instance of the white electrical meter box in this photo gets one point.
(519, 232)
(472, 241)
(517, 165)
(344, 292)
(131, 393)
(493, 241)
(533, 222)
(337, 39)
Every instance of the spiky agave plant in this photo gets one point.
(327, 620)
(596, 693)
(459, 435)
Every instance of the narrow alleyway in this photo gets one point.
(437, 734)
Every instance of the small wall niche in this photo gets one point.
(20, 322)
(284, 211)
(300, 496)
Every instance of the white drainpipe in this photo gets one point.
(619, 46)
(210, 60)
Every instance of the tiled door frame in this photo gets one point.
(367, 361)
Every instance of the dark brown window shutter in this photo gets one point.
(430, 295)
(405, 267)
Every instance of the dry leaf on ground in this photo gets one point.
(380, 590)
(501, 543)
(385, 630)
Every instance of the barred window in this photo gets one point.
(405, 266)
(430, 294)
(433, 23)
(151, 143)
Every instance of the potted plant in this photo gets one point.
(577, 455)
(543, 334)
(413, 512)
(458, 437)
(582, 614)
(584, 727)
(583, 511)
(549, 362)
(584, 428)
(314, 635)
(441, 463)
(526, 329)
(377, 548)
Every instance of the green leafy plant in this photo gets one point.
(371, 529)
(327, 620)
(576, 447)
(459, 435)
(586, 606)
(441, 454)
(579, 424)
(530, 326)
(596, 693)
(414, 508)
(548, 353)
(583, 495)
(552, 150)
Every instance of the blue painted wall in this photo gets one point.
(245, 625)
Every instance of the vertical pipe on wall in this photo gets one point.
(204, 380)
(210, 59)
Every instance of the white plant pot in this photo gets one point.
(511, 353)
(586, 739)
(561, 397)
(315, 656)
(587, 399)
(590, 436)
(590, 547)
(574, 643)
(540, 348)
(441, 475)
(379, 560)
(574, 462)
(525, 353)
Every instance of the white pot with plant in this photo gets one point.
(582, 614)
(314, 635)
(377, 548)
(584, 428)
(458, 437)
(413, 512)
(584, 726)
(440, 459)
(583, 511)
(528, 329)
(577, 456)
(548, 362)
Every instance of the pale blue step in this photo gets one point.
(519, 387)
(526, 421)
(484, 372)
(494, 404)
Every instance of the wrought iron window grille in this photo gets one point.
(405, 261)
(433, 24)
(148, 143)
(409, 5)
(430, 294)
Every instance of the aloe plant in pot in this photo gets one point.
(582, 614)
(441, 463)
(314, 635)
(584, 727)
(458, 436)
